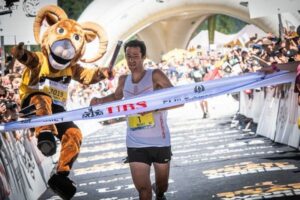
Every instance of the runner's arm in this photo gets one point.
(117, 95)
(160, 81)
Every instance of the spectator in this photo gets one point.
(197, 74)
(8, 108)
(3, 96)
(297, 81)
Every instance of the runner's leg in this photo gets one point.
(162, 171)
(140, 173)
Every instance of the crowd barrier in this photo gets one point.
(275, 110)
(23, 169)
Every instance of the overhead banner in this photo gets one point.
(159, 99)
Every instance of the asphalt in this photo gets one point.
(211, 160)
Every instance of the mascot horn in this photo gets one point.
(45, 84)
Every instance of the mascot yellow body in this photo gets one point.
(46, 78)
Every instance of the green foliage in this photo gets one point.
(73, 8)
(7, 48)
(228, 25)
(224, 24)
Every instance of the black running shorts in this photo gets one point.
(149, 155)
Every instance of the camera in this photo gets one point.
(9, 104)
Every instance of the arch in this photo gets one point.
(168, 25)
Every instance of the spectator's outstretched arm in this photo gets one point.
(291, 66)
(261, 62)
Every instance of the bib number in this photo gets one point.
(141, 121)
(57, 91)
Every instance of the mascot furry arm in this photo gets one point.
(46, 77)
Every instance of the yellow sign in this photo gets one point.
(141, 121)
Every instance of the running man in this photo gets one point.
(148, 135)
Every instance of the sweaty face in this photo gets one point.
(134, 58)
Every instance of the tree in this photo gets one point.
(73, 8)
(223, 23)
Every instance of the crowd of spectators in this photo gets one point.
(9, 87)
(182, 68)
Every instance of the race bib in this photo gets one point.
(57, 91)
(141, 121)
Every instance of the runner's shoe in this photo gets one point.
(157, 197)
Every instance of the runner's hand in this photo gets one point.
(94, 101)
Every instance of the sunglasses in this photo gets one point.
(2, 95)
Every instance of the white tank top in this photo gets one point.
(149, 130)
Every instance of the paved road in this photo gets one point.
(211, 161)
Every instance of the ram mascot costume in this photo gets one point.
(45, 82)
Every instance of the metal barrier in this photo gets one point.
(23, 169)
(276, 111)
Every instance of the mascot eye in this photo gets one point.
(60, 30)
(76, 37)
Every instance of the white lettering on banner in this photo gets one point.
(159, 99)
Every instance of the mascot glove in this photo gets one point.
(107, 72)
(18, 51)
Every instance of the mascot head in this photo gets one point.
(64, 40)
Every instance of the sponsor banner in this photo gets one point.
(158, 99)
